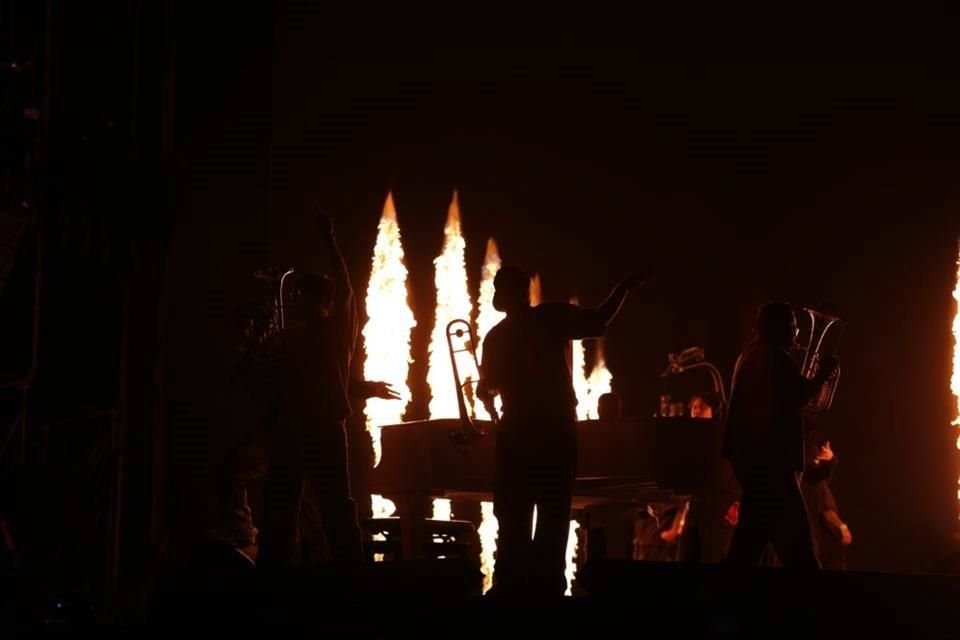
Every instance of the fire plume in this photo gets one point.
(382, 508)
(599, 382)
(578, 374)
(487, 316)
(488, 543)
(955, 378)
(589, 388)
(536, 290)
(386, 335)
(442, 509)
(453, 302)
(571, 570)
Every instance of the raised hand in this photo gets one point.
(634, 280)
(845, 536)
(378, 389)
(826, 453)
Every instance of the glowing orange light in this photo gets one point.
(487, 316)
(386, 335)
(488, 543)
(382, 508)
(442, 509)
(572, 544)
(453, 302)
(599, 382)
(536, 290)
(955, 378)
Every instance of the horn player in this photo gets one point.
(764, 442)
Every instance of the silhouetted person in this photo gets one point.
(249, 461)
(831, 535)
(609, 407)
(524, 360)
(308, 443)
(764, 442)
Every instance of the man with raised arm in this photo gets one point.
(525, 362)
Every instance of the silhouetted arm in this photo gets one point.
(341, 276)
(611, 306)
(365, 389)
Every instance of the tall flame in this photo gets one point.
(578, 374)
(536, 290)
(599, 382)
(386, 335)
(571, 570)
(487, 316)
(955, 379)
(488, 543)
(589, 388)
(453, 302)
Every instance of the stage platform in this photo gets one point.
(425, 599)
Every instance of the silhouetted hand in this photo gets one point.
(826, 453)
(845, 536)
(634, 281)
(732, 516)
(378, 389)
(483, 393)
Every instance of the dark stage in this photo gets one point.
(402, 600)
(161, 161)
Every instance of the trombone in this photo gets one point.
(460, 339)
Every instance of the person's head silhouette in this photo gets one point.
(313, 295)
(776, 324)
(511, 290)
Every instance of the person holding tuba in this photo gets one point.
(524, 361)
(764, 441)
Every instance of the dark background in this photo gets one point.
(180, 148)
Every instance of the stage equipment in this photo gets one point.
(694, 358)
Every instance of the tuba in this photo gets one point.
(262, 324)
(818, 337)
(462, 339)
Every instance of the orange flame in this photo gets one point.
(488, 543)
(453, 302)
(382, 508)
(599, 382)
(588, 389)
(442, 509)
(536, 290)
(386, 335)
(572, 545)
(487, 316)
(955, 378)
(578, 374)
